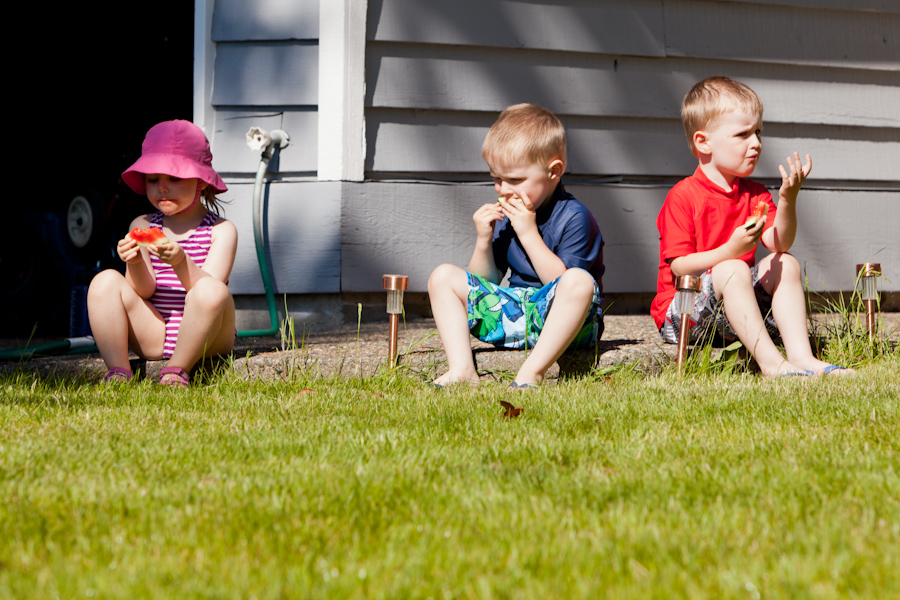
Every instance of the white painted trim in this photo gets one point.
(342, 89)
(204, 66)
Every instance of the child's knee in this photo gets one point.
(578, 284)
(208, 294)
(779, 268)
(731, 274)
(731, 267)
(730, 270)
(787, 264)
(104, 284)
(444, 276)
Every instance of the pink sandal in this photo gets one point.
(118, 375)
(176, 377)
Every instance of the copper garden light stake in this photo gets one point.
(868, 274)
(394, 284)
(687, 286)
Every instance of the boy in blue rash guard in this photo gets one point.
(549, 241)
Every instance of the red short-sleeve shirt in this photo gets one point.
(698, 216)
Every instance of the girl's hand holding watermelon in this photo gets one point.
(169, 252)
(155, 241)
(128, 250)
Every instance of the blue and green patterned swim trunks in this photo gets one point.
(514, 317)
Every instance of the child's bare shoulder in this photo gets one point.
(223, 223)
(142, 221)
(223, 229)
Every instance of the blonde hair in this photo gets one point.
(525, 132)
(211, 202)
(704, 105)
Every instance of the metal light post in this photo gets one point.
(687, 286)
(394, 284)
(867, 274)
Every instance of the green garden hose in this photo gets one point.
(260, 249)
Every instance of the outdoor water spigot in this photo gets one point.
(260, 139)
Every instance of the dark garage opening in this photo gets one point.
(85, 85)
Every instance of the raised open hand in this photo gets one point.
(792, 181)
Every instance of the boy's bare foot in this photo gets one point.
(524, 379)
(449, 378)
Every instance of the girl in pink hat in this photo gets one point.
(173, 302)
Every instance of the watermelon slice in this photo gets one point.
(145, 237)
(759, 211)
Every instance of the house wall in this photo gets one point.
(435, 74)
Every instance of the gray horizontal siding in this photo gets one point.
(266, 74)
(232, 155)
(828, 244)
(733, 30)
(374, 243)
(240, 20)
(613, 26)
(838, 230)
(440, 141)
(472, 79)
(783, 34)
(302, 225)
(882, 6)
(438, 74)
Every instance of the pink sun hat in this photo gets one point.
(177, 149)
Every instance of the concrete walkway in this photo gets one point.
(360, 352)
(352, 353)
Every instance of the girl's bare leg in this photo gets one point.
(207, 327)
(120, 318)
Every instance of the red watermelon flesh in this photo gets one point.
(759, 211)
(145, 237)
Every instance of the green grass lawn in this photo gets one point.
(705, 486)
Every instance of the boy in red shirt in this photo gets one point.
(703, 233)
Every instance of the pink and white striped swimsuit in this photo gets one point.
(169, 295)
